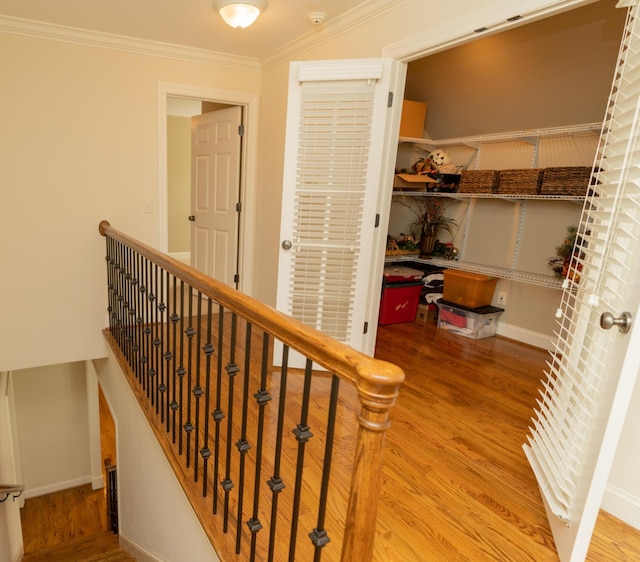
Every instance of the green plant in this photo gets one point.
(430, 213)
(568, 256)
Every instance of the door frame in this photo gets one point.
(248, 158)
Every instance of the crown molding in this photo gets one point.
(346, 23)
(41, 30)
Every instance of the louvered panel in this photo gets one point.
(331, 175)
(567, 430)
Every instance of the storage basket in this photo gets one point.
(570, 180)
(478, 181)
(524, 181)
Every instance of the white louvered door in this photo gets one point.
(336, 122)
(592, 371)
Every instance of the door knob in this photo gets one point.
(607, 321)
(286, 244)
(192, 218)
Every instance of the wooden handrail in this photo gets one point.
(377, 383)
(7, 490)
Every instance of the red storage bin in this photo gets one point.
(399, 302)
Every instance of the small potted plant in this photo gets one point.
(430, 220)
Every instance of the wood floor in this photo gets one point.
(456, 484)
(75, 518)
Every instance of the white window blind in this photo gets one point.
(576, 399)
(331, 181)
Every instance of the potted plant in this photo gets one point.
(430, 220)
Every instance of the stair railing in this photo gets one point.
(210, 367)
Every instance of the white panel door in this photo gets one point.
(337, 123)
(215, 189)
(592, 370)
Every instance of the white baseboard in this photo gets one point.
(57, 487)
(184, 257)
(523, 335)
(137, 551)
(97, 482)
(622, 505)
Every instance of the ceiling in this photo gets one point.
(191, 23)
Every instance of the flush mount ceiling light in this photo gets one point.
(240, 14)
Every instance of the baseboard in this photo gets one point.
(622, 505)
(537, 339)
(57, 487)
(137, 551)
(184, 257)
(97, 482)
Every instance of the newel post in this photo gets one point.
(377, 393)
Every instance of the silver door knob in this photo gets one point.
(608, 321)
(286, 244)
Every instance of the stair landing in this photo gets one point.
(102, 547)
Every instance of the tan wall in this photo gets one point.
(179, 182)
(79, 144)
(51, 417)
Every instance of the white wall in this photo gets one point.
(79, 144)
(155, 518)
(53, 427)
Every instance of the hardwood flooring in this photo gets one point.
(67, 516)
(101, 547)
(456, 484)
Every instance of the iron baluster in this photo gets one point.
(262, 398)
(243, 444)
(208, 351)
(197, 389)
(188, 426)
(218, 414)
(319, 536)
(276, 483)
(232, 371)
(303, 434)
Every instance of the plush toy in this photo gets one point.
(441, 162)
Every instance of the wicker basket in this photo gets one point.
(571, 180)
(524, 181)
(478, 181)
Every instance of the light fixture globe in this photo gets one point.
(239, 14)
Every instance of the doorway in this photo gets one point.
(176, 102)
(202, 216)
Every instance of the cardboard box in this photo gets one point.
(427, 313)
(412, 122)
(399, 303)
(475, 324)
(472, 290)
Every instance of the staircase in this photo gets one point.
(102, 547)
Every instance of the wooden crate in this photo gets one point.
(478, 181)
(569, 180)
(525, 181)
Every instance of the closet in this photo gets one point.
(531, 97)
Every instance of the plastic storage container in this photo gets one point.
(399, 302)
(470, 290)
(401, 274)
(476, 323)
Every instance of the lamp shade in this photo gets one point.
(240, 14)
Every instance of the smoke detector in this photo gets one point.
(316, 18)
